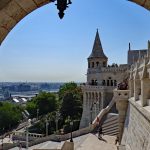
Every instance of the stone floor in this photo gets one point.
(93, 143)
(85, 142)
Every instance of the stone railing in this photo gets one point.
(93, 87)
(121, 99)
(114, 69)
(103, 113)
(55, 138)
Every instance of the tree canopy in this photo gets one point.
(45, 102)
(10, 115)
(71, 96)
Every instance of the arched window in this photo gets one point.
(92, 82)
(111, 82)
(103, 83)
(107, 82)
(96, 83)
(97, 63)
(89, 65)
(92, 64)
(104, 64)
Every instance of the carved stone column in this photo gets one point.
(131, 87)
(102, 99)
(145, 84)
(121, 97)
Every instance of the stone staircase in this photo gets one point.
(110, 125)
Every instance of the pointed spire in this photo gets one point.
(97, 50)
(97, 42)
(129, 46)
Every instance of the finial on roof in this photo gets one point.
(129, 46)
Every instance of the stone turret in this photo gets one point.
(97, 58)
(148, 51)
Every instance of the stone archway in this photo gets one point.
(12, 11)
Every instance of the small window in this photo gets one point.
(96, 82)
(97, 63)
(104, 64)
(107, 82)
(92, 82)
(92, 64)
(111, 82)
(103, 83)
(88, 65)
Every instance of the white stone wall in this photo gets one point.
(136, 134)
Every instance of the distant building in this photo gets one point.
(134, 55)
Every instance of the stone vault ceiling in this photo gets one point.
(3, 3)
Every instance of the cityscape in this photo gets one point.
(74, 75)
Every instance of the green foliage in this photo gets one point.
(65, 88)
(45, 102)
(40, 127)
(71, 105)
(71, 96)
(67, 127)
(10, 115)
(69, 102)
(32, 108)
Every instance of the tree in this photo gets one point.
(65, 88)
(10, 115)
(71, 96)
(45, 102)
(71, 105)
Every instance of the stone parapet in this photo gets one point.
(96, 88)
(115, 69)
(121, 97)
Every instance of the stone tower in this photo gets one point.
(96, 61)
(101, 80)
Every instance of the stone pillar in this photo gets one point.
(137, 88)
(121, 97)
(99, 100)
(131, 87)
(145, 84)
(102, 99)
(84, 99)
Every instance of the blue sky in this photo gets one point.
(44, 48)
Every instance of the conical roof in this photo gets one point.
(97, 48)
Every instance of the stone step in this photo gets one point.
(111, 133)
(111, 118)
(111, 123)
(110, 129)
